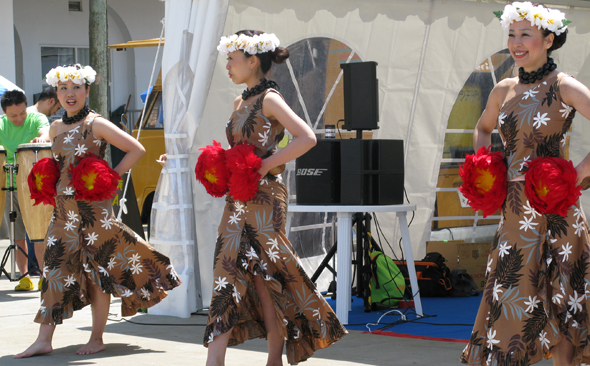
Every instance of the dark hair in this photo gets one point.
(48, 93)
(278, 56)
(558, 41)
(12, 97)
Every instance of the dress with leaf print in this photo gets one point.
(252, 241)
(87, 245)
(537, 272)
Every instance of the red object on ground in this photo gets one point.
(484, 180)
(550, 185)
(42, 180)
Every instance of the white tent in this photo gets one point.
(425, 50)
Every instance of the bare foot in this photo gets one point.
(37, 348)
(93, 346)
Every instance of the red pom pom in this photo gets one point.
(550, 185)
(94, 180)
(484, 181)
(211, 169)
(243, 165)
(42, 181)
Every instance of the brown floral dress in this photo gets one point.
(87, 245)
(252, 241)
(538, 277)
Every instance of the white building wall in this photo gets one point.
(49, 23)
(7, 63)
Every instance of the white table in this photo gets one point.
(344, 252)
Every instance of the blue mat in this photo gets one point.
(445, 317)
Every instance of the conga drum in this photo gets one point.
(35, 218)
(2, 181)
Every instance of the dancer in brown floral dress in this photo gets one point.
(538, 274)
(260, 288)
(90, 255)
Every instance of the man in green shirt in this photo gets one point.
(19, 127)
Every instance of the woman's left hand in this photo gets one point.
(264, 168)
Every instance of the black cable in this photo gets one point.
(338, 128)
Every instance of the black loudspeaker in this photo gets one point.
(317, 174)
(361, 96)
(372, 172)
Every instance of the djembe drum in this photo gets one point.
(35, 218)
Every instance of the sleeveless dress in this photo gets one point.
(87, 245)
(252, 241)
(538, 267)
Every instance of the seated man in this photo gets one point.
(47, 103)
(19, 127)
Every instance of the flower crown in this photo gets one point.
(551, 19)
(262, 43)
(76, 73)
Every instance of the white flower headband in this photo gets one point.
(77, 73)
(256, 44)
(551, 19)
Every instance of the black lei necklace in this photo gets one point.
(257, 89)
(82, 114)
(533, 76)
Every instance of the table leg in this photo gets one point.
(403, 224)
(288, 223)
(343, 266)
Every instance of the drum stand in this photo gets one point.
(12, 169)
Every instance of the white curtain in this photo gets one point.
(192, 31)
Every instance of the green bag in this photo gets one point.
(387, 282)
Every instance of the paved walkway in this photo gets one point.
(159, 340)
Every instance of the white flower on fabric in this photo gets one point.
(578, 213)
(106, 223)
(532, 304)
(529, 93)
(575, 302)
(497, 290)
(69, 226)
(488, 360)
(220, 283)
(92, 238)
(42, 307)
(263, 181)
(491, 341)
(68, 138)
(134, 258)
(136, 268)
(105, 212)
(268, 278)
(529, 210)
(575, 324)
(525, 162)
(45, 271)
(112, 263)
(103, 271)
(81, 149)
(501, 118)
(234, 219)
(274, 244)
(239, 208)
(489, 266)
(579, 226)
(250, 254)
(263, 265)
(86, 268)
(97, 142)
(211, 336)
(543, 339)
(70, 280)
(556, 299)
(245, 264)
(272, 255)
(145, 293)
(540, 119)
(236, 294)
(69, 191)
(72, 216)
(51, 240)
(566, 110)
(127, 293)
(567, 250)
(316, 312)
(503, 250)
(263, 137)
(170, 268)
(528, 224)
